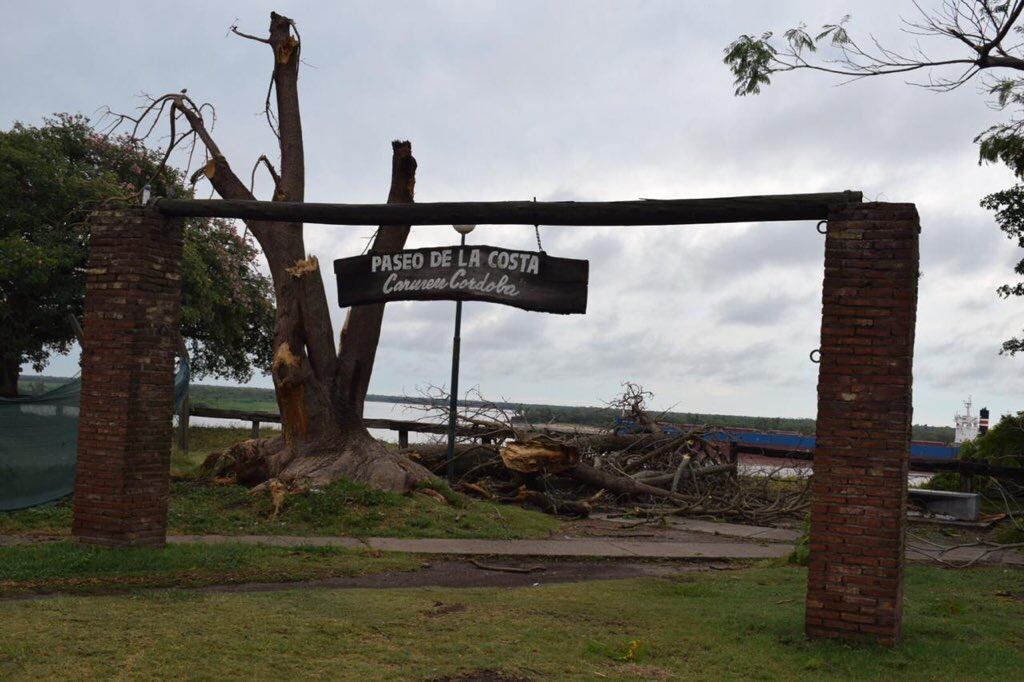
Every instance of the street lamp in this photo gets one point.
(453, 407)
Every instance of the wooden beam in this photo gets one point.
(778, 207)
(387, 424)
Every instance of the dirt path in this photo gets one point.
(445, 573)
(455, 573)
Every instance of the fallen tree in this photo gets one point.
(671, 471)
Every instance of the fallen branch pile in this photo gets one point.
(648, 474)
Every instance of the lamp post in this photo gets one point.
(453, 407)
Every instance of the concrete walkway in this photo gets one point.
(596, 548)
(722, 529)
(681, 538)
(684, 539)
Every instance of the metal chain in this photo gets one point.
(536, 231)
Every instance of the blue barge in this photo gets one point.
(782, 442)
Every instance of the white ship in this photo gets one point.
(969, 427)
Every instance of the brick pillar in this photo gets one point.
(859, 489)
(132, 316)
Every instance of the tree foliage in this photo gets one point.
(51, 176)
(1009, 208)
(988, 38)
(1003, 444)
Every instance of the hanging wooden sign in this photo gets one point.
(530, 280)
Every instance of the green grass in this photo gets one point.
(344, 508)
(63, 566)
(709, 626)
(347, 509)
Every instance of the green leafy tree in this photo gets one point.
(1009, 208)
(1002, 445)
(51, 176)
(978, 37)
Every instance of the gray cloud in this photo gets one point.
(758, 311)
(626, 100)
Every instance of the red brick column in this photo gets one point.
(132, 316)
(859, 490)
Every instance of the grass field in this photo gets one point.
(341, 509)
(198, 507)
(746, 624)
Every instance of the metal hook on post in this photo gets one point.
(813, 353)
(819, 227)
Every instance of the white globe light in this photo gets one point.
(464, 229)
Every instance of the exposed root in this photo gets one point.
(247, 463)
(359, 458)
(278, 491)
(434, 495)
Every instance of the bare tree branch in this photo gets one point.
(979, 26)
(270, 169)
(234, 29)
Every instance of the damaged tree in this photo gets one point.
(320, 388)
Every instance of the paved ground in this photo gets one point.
(603, 538)
(597, 548)
(716, 529)
(595, 538)
(608, 538)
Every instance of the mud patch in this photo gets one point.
(482, 676)
(442, 609)
(460, 573)
(1011, 596)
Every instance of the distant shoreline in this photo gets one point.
(262, 400)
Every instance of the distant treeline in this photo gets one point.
(34, 385)
(262, 400)
(603, 416)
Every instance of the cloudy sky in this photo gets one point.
(582, 100)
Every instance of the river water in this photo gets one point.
(373, 410)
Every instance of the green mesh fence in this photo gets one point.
(39, 439)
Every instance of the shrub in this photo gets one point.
(802, 551)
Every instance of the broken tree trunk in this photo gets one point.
(660, 479)
(539, 456)
(319, 389)
(361, 332)
(468, 457)
(620, 485)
